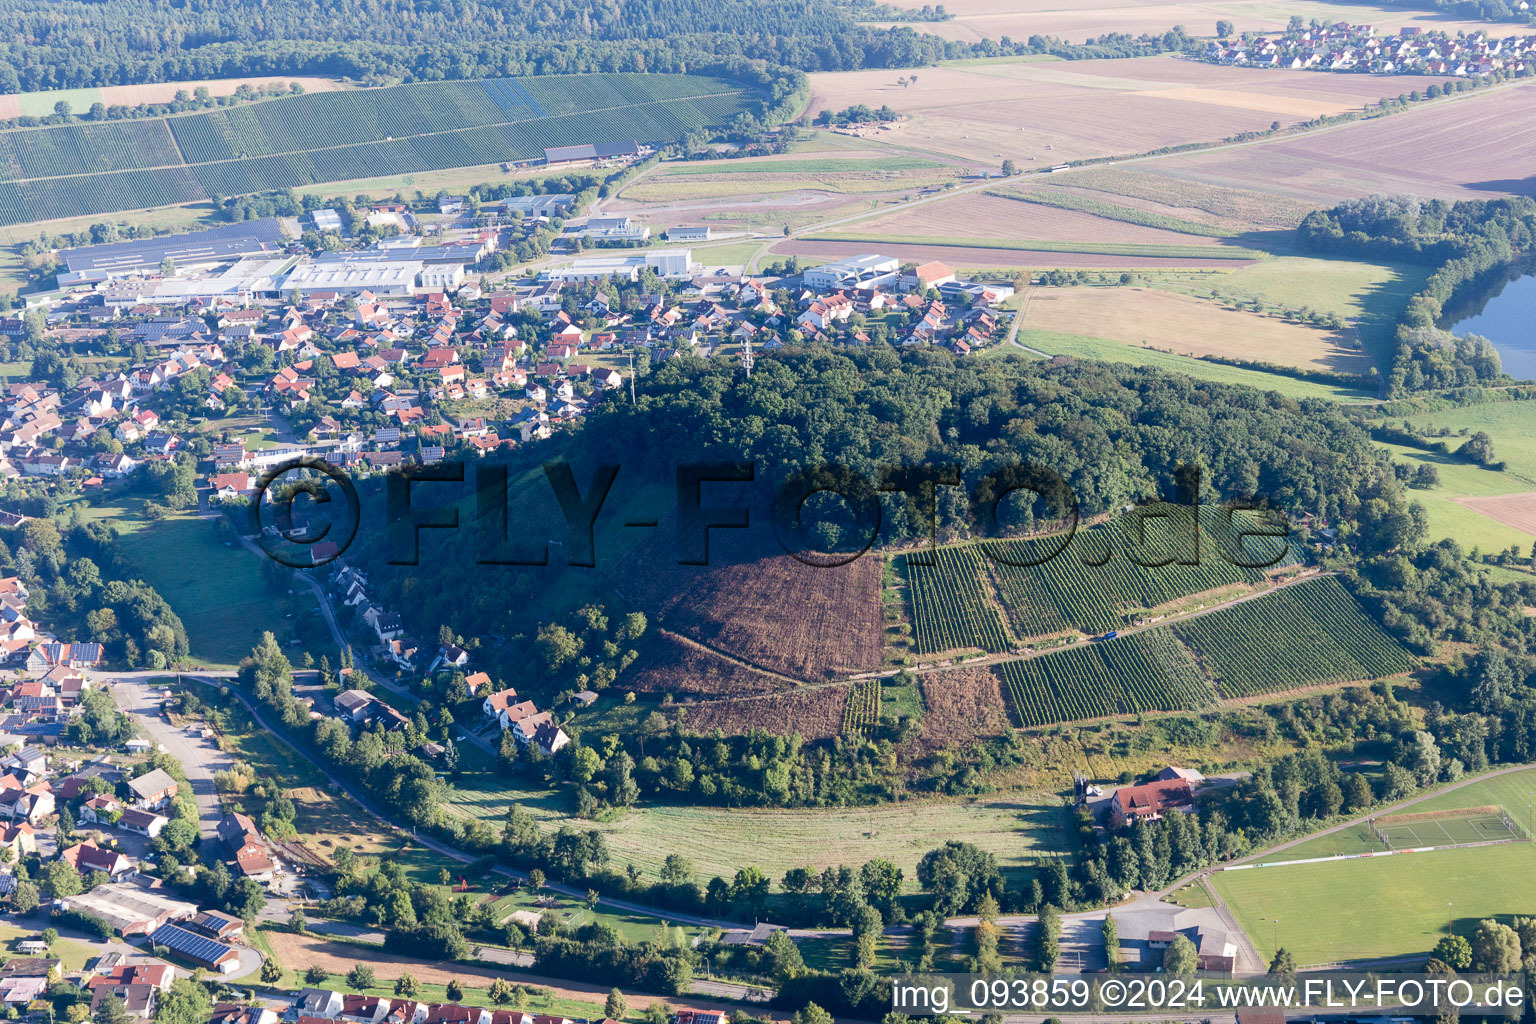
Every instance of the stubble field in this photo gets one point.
(1044, 113)
(1462, 148)
(1178, 323)
(987, 216)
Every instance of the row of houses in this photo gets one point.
(316, 1005)
(1357, 48)
(529, 725)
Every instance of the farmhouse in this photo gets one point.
(247, 848)
(1150, 801)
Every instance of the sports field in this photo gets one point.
(1380, 907)
(1390, 906)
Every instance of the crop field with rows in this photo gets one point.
(1093, 584)
(1310, 633)
(950, 607)
(1147, 671)
(863, 707)
(87, 168)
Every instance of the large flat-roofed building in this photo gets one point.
(222, 244)
(243, 282)
(556, 204)
(394, 277)
(867, 270)
(129, 909)
(591, 151)
(612, 229)
(664, 262)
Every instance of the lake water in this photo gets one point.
(1508, 320)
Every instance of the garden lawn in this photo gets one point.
(220, 592)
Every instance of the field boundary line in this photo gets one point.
(1369, 855)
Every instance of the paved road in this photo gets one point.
(340, 784)
(199, 758)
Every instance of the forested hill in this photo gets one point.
(71, 43)
(1116, 433)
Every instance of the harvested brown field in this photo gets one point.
(755, 603)
(1050, 112)
(1156, 192)
(1465, 147)
(1150, 318)
(973, 257)
(986, 216)
(960, 705)
(673, 664)
(1517, 510)
(299, 952)
(814, 712)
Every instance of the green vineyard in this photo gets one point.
(863, 707)
(82, 169)
(1091, 586)
(1147, 671)
(950, 607)
(1307, 634)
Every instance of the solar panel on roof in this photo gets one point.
(190, 944)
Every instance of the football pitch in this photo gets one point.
(1404, 833)
(1337, 911)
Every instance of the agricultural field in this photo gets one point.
(1458, 148)
(974, 253)
(962, 704)
(1041, 113)
(1147, 671)
(1371, 297)
(672, 664)
(1168, 252)
(1099, 208)
(951, 609)
(1016, 828)
(1155, 192)
(1091, 586)
(757, 604)
(1479, 507)
(767, 176)
(220, 593)
(1083, 347)
(1332, 912)
(862, 709)
(1000, 217)
(1476, 507)
(80, 169)
(816, 712)
(41, 104)
(1309, 633)
(1151, 318)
